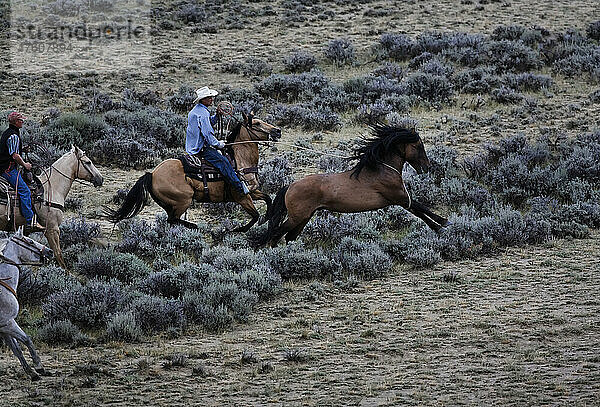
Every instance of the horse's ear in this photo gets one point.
(250, 118)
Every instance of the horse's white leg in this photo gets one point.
(16, 349)
(53, 236)
(14, 330)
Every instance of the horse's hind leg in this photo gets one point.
(16, 349)
(174, 213)
(16, 332)
(249, 207)
(261, 196)
(295, 231)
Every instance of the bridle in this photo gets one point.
(80, 164)
(253, 138)
(24, 244)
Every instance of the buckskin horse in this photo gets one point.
(57, 181)
(172, 190)
(375, 182)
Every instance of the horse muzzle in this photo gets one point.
(275, 134)
(97, 181)
(47, 254)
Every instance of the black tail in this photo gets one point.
(275, 217)
(134, 201)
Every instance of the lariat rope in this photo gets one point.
(290, 144)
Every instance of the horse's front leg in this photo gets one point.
(16, 349)
(20, 335)
(258, 195)
(249, 207)
(53, 236)
(432, 220)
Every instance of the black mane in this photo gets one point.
(374, 149)
(234, 133)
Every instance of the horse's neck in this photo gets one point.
(395, 161)
(246, 154)
(8, 271)
(58, 179)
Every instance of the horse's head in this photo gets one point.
(22, 250)
(415, 155)
(259, 129)
(86, 169)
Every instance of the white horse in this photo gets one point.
(57, 181)
(15, 251)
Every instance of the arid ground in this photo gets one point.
(519, 328)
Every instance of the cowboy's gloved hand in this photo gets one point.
(221, 145)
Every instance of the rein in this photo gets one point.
(9, 288)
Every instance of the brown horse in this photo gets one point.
(375, 182)
(169, 187)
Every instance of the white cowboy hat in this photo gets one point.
(204, 92)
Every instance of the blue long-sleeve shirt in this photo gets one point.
(200, 129)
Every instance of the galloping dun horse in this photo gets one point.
(169, 187)
(57, 181)
(375, 182)
(15, 251)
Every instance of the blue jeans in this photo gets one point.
(222, 164)
(23, 191)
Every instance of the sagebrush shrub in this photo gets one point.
(295, 262)
(431, 88)
(87, 306)
(299, 61)
(182, 101)
(155, 314)
(506, 95)
(274, 174)
(292, 87)
(36, 286)
(593, 30)
(511, 56)
(371, 88)
(75, 128)
(78, 230)
(120, 150)
(389, 70)
(108, 264)
(123, 327)
(340, 52)
(394, 46)
(436, 67)
(476, 80)
(305, 116)
(365, 259)
(62, 332)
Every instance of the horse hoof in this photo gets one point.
(35, 377)
(42, 372)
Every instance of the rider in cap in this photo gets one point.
(10, 156)
(200, 138)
